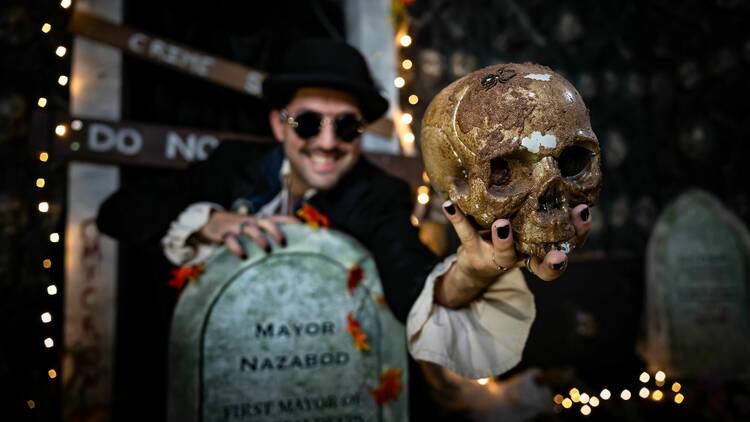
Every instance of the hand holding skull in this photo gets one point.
(512, 145)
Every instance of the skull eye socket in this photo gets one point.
(499, 172)
(574, 160)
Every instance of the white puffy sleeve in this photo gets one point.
(174, 243)
(483, 339)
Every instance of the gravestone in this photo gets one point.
(302, 333)
(697, 297)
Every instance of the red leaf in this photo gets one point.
(353, 277)
(312, 217)
(390, 386)
(359, 337)
(183, 275)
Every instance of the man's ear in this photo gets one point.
(277, 126)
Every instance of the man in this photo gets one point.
(322, 99)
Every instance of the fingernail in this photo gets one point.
(243, 256)
(559, 266)
(267, 248)
(283, 242)
(450, 209)
(503, 231)
(585, 214)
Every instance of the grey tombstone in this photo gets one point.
(697, 297)
(267, 338)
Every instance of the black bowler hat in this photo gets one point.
(325, 63)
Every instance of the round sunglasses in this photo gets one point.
(308, 124)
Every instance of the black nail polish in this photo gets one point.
(267, 248)
(585, 214)
(559, 266)
(243, 256)
(450, 209)
(283, 242)
(503, 231)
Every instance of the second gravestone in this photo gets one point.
(697, 298)
(302, 333)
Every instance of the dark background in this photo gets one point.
(666, 83)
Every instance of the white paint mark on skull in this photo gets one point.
(531, 94)
(538, 140)
(569, 96)
(538, 76)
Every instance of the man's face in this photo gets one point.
(320, 161)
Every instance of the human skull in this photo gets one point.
(514, 141)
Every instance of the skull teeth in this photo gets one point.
(540, 249)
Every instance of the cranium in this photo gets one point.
(514, 141)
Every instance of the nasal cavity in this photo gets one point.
(551, 199)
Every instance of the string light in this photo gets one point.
(43, 207)
(40, 183)
(586, 410)
(54, 237)
(47, 263)
(558, 399)
(676, 387)
(405, 40)
(584, 398)
(51, 290)
(60, 51)
(43, 157)
(62, 80)
(483, 381)
(46, 28)
(60, 130)
(414, 220)
(423, 195)
(657, 395)
(575, 395)
(594, 401)
(407, 64)
(625, 395)
(76, 125)
(65, 4)
(567, 403)
(406, 118)
(409, 138)
(41, 102)
(644, 377)
(643, 393)
(48, 342)
(52, 373)
(660, 376)
(413, 99)
(46, 317)
(30, 404)
(605, 394)
(678, 398)
(399, 82)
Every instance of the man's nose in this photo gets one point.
(327, 136)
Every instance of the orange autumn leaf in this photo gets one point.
(312, 217)
(184, 274)
(353, 277)
(359, 338)
(390, 386)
